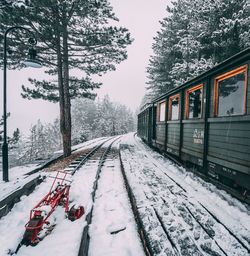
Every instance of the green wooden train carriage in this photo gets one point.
(206, 122)
(144, 127)
(228, 150)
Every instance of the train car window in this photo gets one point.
(174, 103)
(194, 101)
(162, 111)
(230, 93)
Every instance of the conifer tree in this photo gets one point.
(194, 36)
(93, 119)
(11, 140)
(71, 35)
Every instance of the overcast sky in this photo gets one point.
(125, 85)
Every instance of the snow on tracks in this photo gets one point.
(113, 227)
(177, 207)
(117, 231)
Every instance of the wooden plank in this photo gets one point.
(160, 135)
(174, 128)
(191, 126)
(239, 126)
(231, 165)
(230, 119)
(231, 147)
(189, 143)
(237, 151)
(174, 138)
(231, 140)
(161, 128)
(173, 146)
(192, 152)
(160, 142)
(161, 124)
(188, 136)
(174, 141)
(174, 133)
(190, 148)
(233, 156)
(173, 125)
(230, 133)
(189, 139)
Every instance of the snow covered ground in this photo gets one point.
(153, 180)
(18, 177)
(192, 211)
(113, 230)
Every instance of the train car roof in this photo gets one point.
(145, 106)
(241, 56)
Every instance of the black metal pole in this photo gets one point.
(5, 141)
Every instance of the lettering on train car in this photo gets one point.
(200, 162)
(211, 165)
(198, 136)
(169, 150)
(229, 171)
(213, 174)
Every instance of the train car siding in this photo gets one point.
(216, 139)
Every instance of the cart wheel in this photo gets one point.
(74, 214)
(30, 234)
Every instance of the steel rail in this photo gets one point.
(141, 230)
(84, 244)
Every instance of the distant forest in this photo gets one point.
(195, 36)
(90, 119)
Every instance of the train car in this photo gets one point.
(144, 122)
(206, 122)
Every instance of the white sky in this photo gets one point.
(125, 85)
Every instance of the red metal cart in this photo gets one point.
(58, 195)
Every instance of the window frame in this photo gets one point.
(159, 111)
(192, 89)
(229, 74)
(170, 107)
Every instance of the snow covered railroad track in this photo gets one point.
(32, 179)
(99, 157)
(180, 213)
(108, 220)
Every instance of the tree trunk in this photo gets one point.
(67, 113)
(62, 103)
(66, 133)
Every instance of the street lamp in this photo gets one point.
(31, 62)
